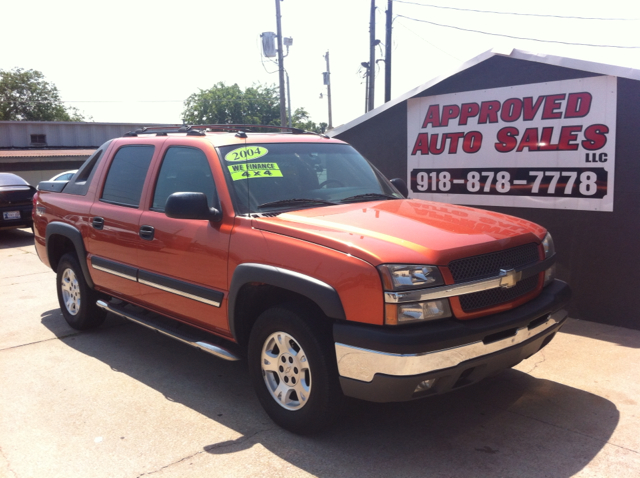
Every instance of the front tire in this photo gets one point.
(293, 369)
(77, 300)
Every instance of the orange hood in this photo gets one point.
(404, 230)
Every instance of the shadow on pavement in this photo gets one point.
(511, 425)
(15, 238)
(608, 333)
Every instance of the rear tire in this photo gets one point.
(293, 369)
(77, 300)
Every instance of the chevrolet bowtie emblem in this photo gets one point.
(509, 278)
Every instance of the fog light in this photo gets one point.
(549, 275)
(424, 386)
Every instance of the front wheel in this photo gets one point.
(77, 300)
(293, 369)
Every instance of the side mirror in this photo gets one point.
(191, 206)
(401, 186)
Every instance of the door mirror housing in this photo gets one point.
(187, 205)
(401, 186)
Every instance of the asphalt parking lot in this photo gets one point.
(124, 401)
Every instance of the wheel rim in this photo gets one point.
(285, 370)
(70, 291)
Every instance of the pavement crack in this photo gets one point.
(209, 449)
(41, 341)
(535, 365)
(13, 473)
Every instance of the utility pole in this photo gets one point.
(327, 81)
(387, 53)
(283, 112)
(365, 65)
(372, 56)
(288, 98)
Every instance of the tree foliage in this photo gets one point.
(224, 104)
(258, 104)
(25, 95)
(300, 119)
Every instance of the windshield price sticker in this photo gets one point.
(539, 182)
(254, 170)
(246, 153)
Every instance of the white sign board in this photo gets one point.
(543, 145)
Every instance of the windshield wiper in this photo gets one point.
(367, 196)
(297, 201)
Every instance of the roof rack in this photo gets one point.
(202, 129)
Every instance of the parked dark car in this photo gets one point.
(16, 196)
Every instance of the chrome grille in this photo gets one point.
(491, 297)
(489, 265)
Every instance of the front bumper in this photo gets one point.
(385, 365)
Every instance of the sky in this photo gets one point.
(123, 61)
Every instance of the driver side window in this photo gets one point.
(184, 170)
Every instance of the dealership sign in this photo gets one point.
(543, 145)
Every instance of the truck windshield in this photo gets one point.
(283, 176)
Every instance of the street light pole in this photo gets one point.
(387, 54)
(283, 112)
(328, 83)
(372, 57)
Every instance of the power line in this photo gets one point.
(428, 42)
(512, 13)
(517, 38)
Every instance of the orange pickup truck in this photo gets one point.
(291, 250)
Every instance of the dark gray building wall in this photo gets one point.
(597, 251)
(62, 134)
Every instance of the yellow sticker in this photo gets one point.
(254, 170)
(246, 153)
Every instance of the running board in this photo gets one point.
(216, 350)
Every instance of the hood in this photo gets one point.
(404, 230)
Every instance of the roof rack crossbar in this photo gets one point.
(201, 129)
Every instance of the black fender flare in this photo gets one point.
(325, 296)
(74, 235)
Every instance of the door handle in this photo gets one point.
(146, 232)
(98, 223)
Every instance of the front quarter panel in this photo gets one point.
(357, 282)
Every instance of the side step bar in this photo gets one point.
(216, 350)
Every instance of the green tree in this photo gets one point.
(258, 104)
(300, 119)
(25, 95)
(224, 104)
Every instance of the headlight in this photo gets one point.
(406, 276)
(400, 277)
(427, 310)
(549, 250)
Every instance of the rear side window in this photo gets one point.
(183, 170)
(126, 176)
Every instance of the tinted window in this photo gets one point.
(183, 170)
(126, 175)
